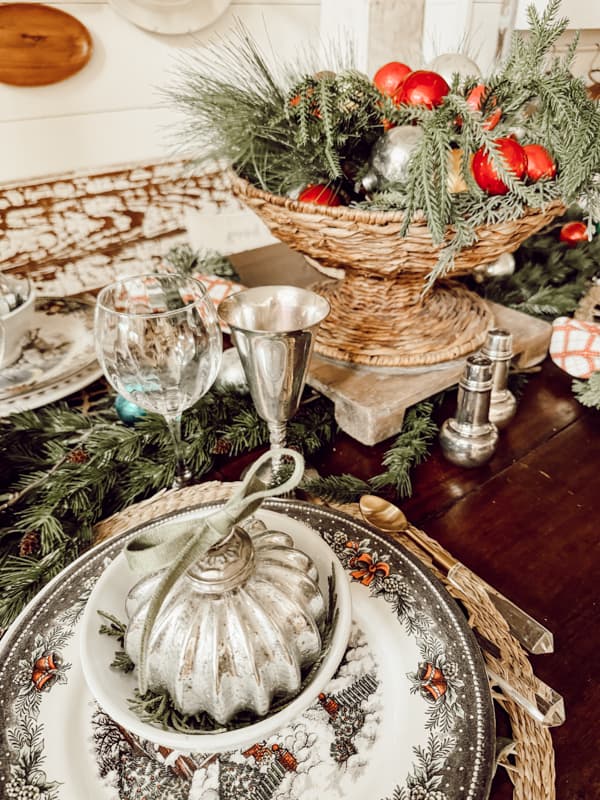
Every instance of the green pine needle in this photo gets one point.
(588, 391)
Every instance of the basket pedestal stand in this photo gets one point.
(384, 346)
(385, 321)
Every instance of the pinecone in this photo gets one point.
(221, 447)
(78, 456)
(12, 789)
(29, 544)
(419, 793)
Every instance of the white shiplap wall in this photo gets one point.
(471, 26)
(112, 111)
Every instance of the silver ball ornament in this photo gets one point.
(449, 64)
(502, 267)
(231, 375)
(390, 156)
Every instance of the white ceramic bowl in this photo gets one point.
(112, 689)
(14, 328)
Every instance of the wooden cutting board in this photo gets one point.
(40, 44)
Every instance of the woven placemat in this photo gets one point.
(529, 761)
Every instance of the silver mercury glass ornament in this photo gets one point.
(469, 439)
(237, 629)
(449, 64)
(388, 162)
(498, 348)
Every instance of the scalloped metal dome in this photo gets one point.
(237, 629)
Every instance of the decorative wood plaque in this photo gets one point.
(40, 44)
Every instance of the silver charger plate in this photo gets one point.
(408, 714)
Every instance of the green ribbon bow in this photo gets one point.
(157, 549)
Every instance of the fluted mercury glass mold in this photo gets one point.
(237, 630)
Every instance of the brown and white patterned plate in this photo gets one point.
(58, 358)
(407, 716)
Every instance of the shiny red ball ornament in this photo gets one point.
(475, 99)
(540, 163)
(389, 78)
(320, 194)
(572, 233)
(423, 88)
(515, 160)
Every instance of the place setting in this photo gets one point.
(255, 644)
(216, 580)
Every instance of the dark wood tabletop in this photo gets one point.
(527, 523)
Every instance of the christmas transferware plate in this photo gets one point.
(58, 358)
(408, 715)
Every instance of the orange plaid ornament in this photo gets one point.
(575, 346)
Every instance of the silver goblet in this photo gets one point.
(273, 329)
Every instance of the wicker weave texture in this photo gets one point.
(531, 768)
(379, 317)
(370, 240)
(385, 323)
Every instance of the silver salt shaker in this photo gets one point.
(498, 348)
(469, 439)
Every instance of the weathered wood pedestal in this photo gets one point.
(370, 403)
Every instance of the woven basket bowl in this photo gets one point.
(378, 314)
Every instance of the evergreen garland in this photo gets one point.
(188, 261)
(409, 448)
(64, 471)
(549, 278)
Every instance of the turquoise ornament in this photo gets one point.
(127, 411)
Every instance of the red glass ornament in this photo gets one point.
(515, 160)
(423, 88)
(389, 78)
(474, 101)
(573, 232)
(540, 163)
(320, 194)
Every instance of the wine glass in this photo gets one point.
(159, 344)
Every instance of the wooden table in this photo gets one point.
(527, 523)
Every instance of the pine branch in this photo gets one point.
(588, 392)
(337, 488)
(409, 449)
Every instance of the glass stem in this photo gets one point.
(182, 474)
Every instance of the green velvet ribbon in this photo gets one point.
(157, 549)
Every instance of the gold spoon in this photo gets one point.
(389, 518)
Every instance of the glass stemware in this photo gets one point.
(159, 344)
